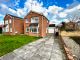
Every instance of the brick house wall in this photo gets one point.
(43, 24)
(17, 24)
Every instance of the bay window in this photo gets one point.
(34, 29)
(9, 20)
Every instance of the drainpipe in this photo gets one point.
(42, 26)
(13, 27)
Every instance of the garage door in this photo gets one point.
(51, 30)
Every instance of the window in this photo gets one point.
(7, 28)
(34, 30)
(6, 21)
(78, 24)
(10, 29)
(9, 20)
(34, 19)
(27, 29)
(27, 21)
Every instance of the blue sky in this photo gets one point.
(55, 10)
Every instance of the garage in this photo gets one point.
(51, 28)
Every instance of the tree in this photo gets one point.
(74, 16)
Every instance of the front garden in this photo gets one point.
(10, 42)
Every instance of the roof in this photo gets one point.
(38, 13)
(14, 16)
(51, 25)
(34, 24)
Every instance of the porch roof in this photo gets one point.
(33, 24)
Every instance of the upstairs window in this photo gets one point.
(27, 21)
(9, 20)
(35, 20)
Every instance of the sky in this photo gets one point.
(55, 10)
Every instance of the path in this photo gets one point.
(46, 48)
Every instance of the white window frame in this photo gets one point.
(10, 21)
(27, 29)
(27, 21)
(10, 29)
(35, 20)
(7, 28)
(33, 28)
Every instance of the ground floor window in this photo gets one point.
(34, 29)
(27, 29)
(10, 29)
(6, 29)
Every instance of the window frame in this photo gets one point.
(6, 21)
(33, 31)
(10, 29)
(27, 29)
(26, 21)
(7, 28)
(35, 19)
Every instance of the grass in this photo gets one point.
(76, 39)
(10, 42)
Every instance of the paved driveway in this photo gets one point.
(47, 48)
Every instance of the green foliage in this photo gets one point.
(10, 42)
(0, 30)
(62, 28)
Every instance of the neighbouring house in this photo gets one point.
(13, 25)
(78, 25)
(71, 26)
(35, 24)
(51, 28)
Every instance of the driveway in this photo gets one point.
(46, 48)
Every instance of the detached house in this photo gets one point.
(13, 25)
(35, 24)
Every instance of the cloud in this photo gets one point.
(1, 15)
(16, 2)
(54, 9)
(74, 4)
(53, 13)
(1, 19)
(12, 10)
(62, 14)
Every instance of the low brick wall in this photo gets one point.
(72, 48)
(69, 55)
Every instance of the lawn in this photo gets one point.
(10, 42)
(76, 39)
